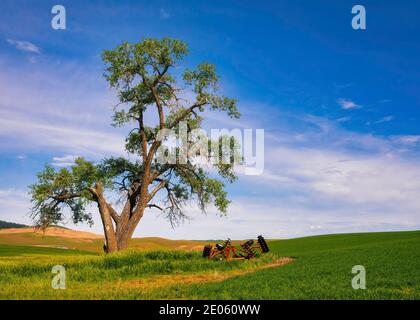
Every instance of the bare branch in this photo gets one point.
(159, 186)
(154, 206)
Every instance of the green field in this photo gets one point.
(321, 269)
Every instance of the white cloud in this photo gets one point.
(315, 227)
(25, 46)
(14, 205)
(36, 134)
(385, 119)
(349, 178)
(304, 190)
(57, 107)
(65, 161)
(275, 218)
(247, 218)
(343, 119)
(164, 14)
(317, 175)
(347, 104)
(408, 139)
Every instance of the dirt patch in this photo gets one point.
(156, 282)
(55, 232)
(49, 246)
(191, 247)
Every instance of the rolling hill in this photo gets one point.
(5, 225)
(63, 238)
(318, 267)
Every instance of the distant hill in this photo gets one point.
(5, 225)
(59, 237)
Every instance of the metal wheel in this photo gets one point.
(263, 244)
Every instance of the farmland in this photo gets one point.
(316, 267)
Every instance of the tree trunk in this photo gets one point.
(111, 244)
(117, 238)
(126, 229)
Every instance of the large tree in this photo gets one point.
(148, 78)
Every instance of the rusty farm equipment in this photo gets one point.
(227, 251)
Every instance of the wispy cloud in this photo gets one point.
(35, 134)
(65, 161)
(316, 175)
(407, 139)
(347, 178)
(348, 104)
(336, 168)
(343, 119)
(14, 205)
(385, 119)
(164, 14)
(49, 110)
(25, 46)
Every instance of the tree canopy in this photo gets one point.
(147, 78)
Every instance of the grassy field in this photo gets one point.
(321, 269)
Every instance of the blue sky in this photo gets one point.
(340, 107)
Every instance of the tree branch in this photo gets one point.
(159, 186)
(64, 197)
(142, 137)
(159, 107)
(185, 114)
(154, 206)
(115, 216)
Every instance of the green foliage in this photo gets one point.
(134, 140)
(58, 189)
(227, 151)
(204, 81)
(145, 75)
(133, 69)
(146, 60)
(120, 173)
(5, 225)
